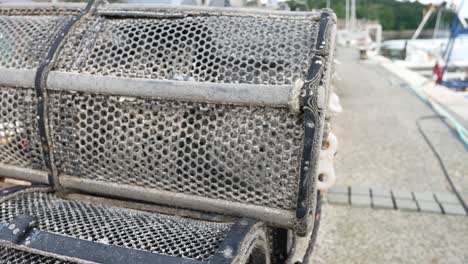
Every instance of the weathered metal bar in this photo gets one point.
(33, 5)
(111, 8)
(17, 77)
(276, 217)
(224, 93)
(23, 174)
(74, 249)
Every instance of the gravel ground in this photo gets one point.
(359, 235)
(380, 145)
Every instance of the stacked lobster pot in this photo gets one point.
(156, 134)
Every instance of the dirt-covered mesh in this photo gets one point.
(163, 234)
(246, 154)
(257, 49)
(15, 256)
(19, 139)
(26, 40)
(40, 11)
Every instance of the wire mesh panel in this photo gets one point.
(162, 234)
(25, 40)
(11, 255)
(38, 10)
(236, 153)
(247, 154)
(26, 35)
(19, 140)
(242, 154)
(221, 49)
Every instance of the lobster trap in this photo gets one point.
(184, 135)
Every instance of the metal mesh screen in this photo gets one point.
(25, 40)
(40, 11)
(19, 140)
(163, 234)
(246, 154)
(222, 49)
(10, 256)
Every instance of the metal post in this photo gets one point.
(423, 23)
(353, 14)
(437, 24)
(347, 15)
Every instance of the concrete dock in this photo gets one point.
(380, 147)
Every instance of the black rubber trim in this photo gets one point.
(40, 89)
(314, 75)
(13, 189)
(21, 235)
(229, 249)
(324, 19)
(16, 231)
(279, 245)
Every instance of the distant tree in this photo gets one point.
(392, 14)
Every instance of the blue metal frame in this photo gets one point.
(455, 31)
(457, 84)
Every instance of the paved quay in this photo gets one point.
(363, 235)
(379, 142)
(382, 152)
(424, 202)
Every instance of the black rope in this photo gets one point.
(439, 159)
(314, 235)
(41, 93)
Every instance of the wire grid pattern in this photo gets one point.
(222, 49)
(39, 11)
(26, 40)
(19, 138)
(246, 154)
(163, 234)
(15, 256)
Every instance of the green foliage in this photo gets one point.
(297, 5)
(392, 14)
